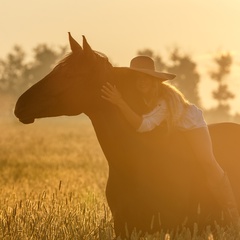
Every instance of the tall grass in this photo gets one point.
(52, 182)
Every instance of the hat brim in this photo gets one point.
(162, 76)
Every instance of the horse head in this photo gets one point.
(69, 88)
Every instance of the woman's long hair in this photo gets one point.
(176, 103)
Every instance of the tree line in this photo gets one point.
(17, 74)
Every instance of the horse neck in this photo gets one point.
(119, 142)
(114, 136)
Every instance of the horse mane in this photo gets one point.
(68, 58)
(63, 62)
(101, 54)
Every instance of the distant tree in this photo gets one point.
(222, 93)
(187, 79)
(11, 70)
(16, 75)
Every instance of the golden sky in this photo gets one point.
(119, 28)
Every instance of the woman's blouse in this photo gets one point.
(191, 117)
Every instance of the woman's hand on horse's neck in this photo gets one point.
(112, 95)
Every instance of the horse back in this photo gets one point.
(226, 147)
(226, 139)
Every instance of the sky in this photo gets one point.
(119, 28)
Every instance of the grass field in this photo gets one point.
(52, 183)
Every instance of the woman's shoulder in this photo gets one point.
(193, 107)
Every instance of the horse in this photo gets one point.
(154, 181)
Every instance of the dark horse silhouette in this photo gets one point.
(154, 181)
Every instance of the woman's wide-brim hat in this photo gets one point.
(146, 65)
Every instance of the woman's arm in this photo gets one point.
(112, 95)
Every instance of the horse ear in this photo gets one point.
(88, 50)
(75, 47)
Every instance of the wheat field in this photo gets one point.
(52, 183)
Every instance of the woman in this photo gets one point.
(166, 103)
